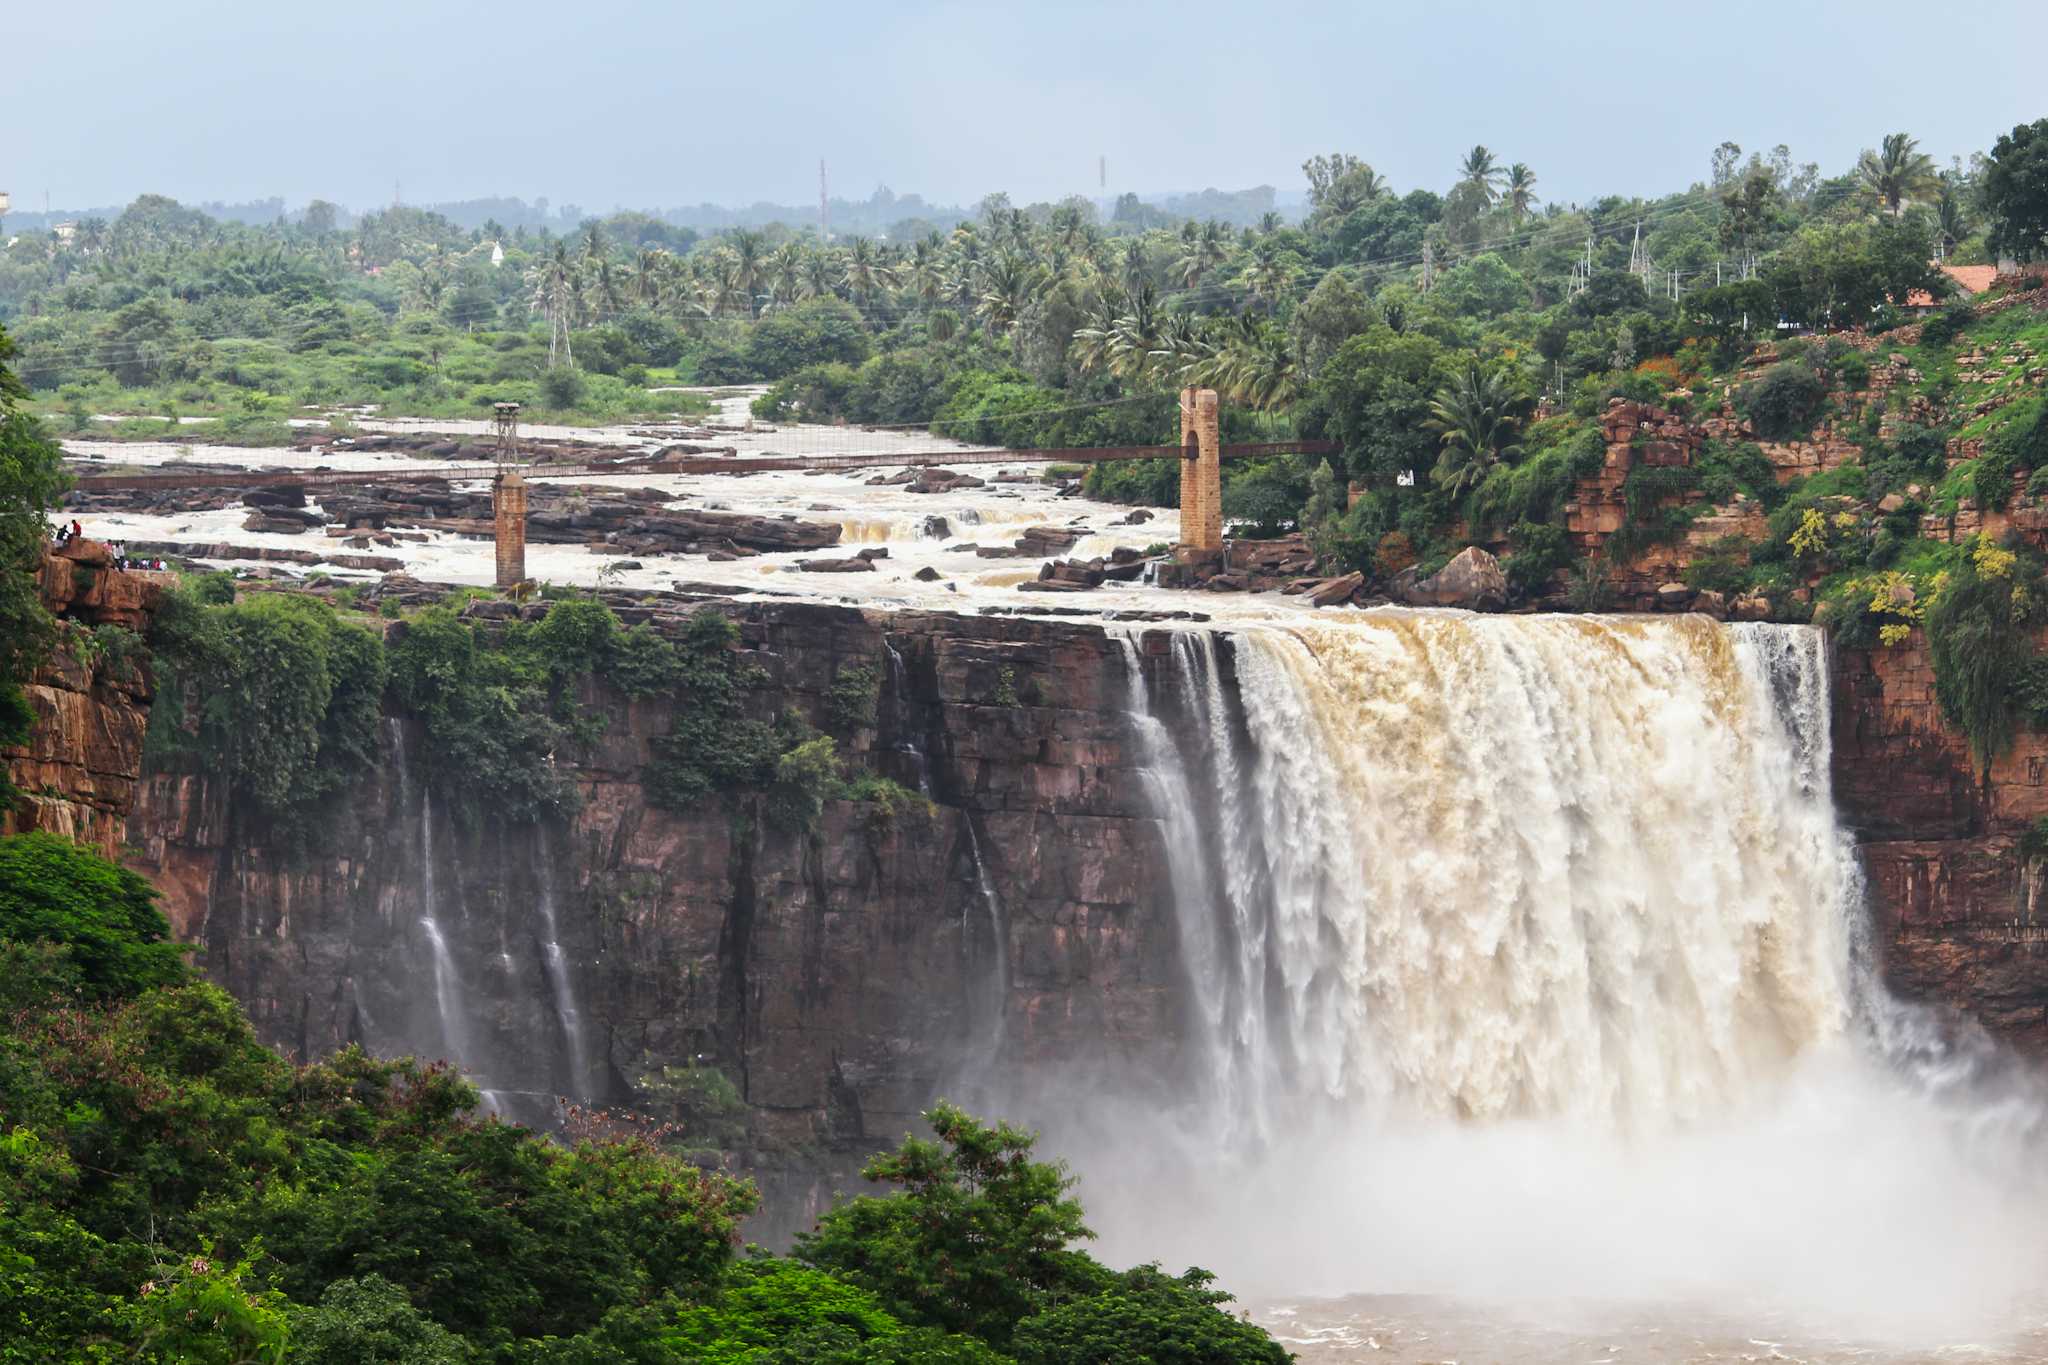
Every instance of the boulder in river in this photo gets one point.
(1472, 580)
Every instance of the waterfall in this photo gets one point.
(557, 966)
(1525, 957)
(897, 717)
(1505, 868)
(997, 982)
(451, 1021)
(448, 1006)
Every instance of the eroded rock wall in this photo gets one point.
(839, 979)
(1957, 909)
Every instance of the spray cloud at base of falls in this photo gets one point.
(1522, 958)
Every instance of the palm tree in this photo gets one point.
(1185, 352)
(926, 274)
(1897, 172)
(1478, 420)
(1260, 370)
(725, 290)
(786, 272)
(750, 250)
(1951, 222)
(1266, 276)
(1067, 224)
(1094, 339)
(1479, 168)
(1009, 284)
(602, 297)
(1135, 340)
(1520, 195)
(1270, 223)
(821, 274)
(1134, 264)
(868, 272)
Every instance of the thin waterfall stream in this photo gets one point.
(559, 982)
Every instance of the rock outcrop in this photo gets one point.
(1958, 909)
(1472, 580)
(78, 771)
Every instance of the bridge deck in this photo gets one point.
(749, 464)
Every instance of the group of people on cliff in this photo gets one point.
(67, 534)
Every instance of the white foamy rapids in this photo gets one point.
(1524, 960)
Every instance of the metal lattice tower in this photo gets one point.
(505, 425)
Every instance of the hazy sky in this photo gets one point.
(636, 103)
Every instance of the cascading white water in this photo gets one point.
(1522, 957)
(448, 1005)
(997, 985)
(559, 983)
(1525, 867)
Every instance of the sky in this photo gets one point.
(635, 103)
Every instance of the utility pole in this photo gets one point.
(1428, 266)
(824, 205)
(1582, 269)
(1102, 173)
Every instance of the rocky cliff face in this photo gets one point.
(806, 994)
(1958, 910)
(838, 981)
(84, 756)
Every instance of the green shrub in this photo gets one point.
(2022, 435)
(1945, 326)
(1783, 401)
(562, 387)
(855, 697)
(371, 1321)
(115, 941)
(1589, 589)
(1991, 481)
(1146, 1315)
(1977, 641)
(1540, 550)
(1730, 467)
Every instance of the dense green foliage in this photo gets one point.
(282, 695)
(171, 1191)
(53, 891)
(30, 480)
(277, 695)
(1977, 630)
(2016, 191)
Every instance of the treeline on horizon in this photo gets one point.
(882, 212)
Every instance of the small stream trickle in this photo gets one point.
(559, 982)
